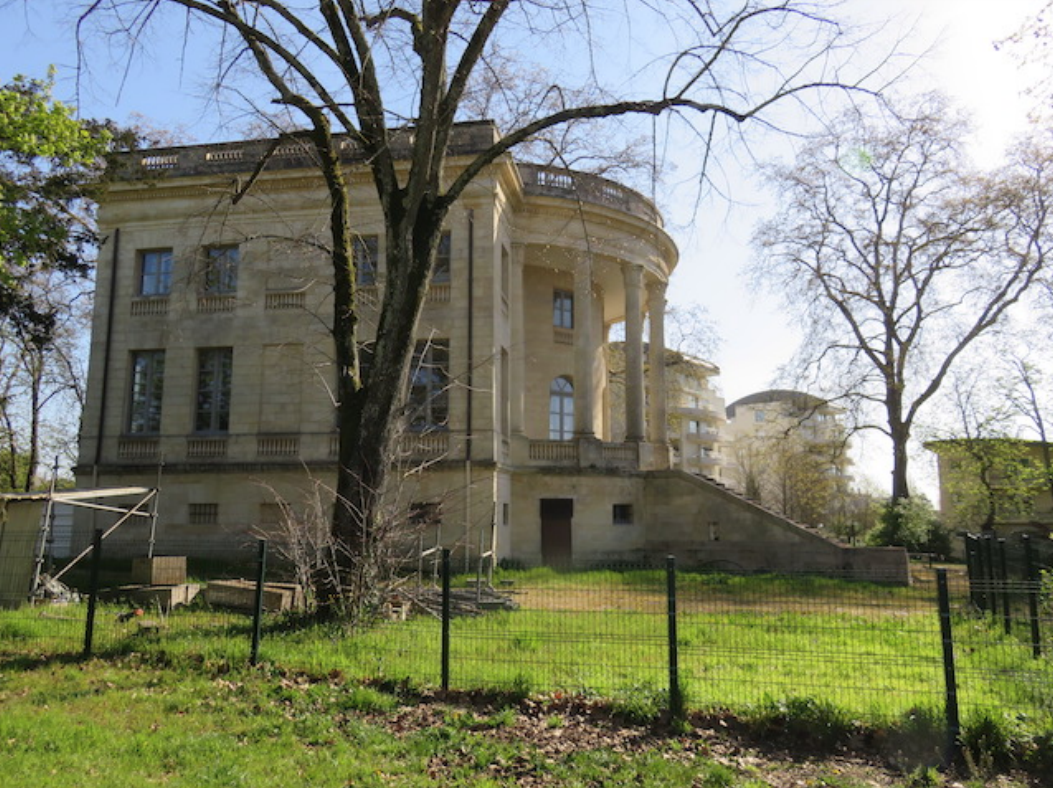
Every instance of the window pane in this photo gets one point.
(441, 274)
(365, 251)
(429, 403)
(213, 389)
(148, 373)
(155, 272)
(221, 270)
(561, 410)
(563, 309)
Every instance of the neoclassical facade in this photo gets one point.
(210, 372)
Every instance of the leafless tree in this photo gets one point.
(373, 71)
(41, 383)
(897, 257)
(1025, 386)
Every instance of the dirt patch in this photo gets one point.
(551, 727)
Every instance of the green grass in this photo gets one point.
(129, 723)
(746, 645)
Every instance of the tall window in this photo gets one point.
(148, 380)
(561, 410)
(429, 398)
(155, 272)
(214, 366)
(365, 252)
(221, 270)
(441, 274)
(506, 273)
(563, 309)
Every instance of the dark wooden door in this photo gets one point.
(557, 547)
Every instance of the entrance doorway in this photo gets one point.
(556, 542)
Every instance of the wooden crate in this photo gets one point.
(163, 570)
(241, 595)
(166, 597)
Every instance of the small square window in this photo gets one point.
(424, 515)
(622, 514)
(203, 513)
(271, 514)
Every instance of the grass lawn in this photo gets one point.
(136, 721)
(117, 724)
(858, 653)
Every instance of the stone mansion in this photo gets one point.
(210, 366)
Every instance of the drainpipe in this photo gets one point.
(105, 383)
(468, 401)
(107, 349)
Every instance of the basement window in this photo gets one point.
(425, 515)
(203, 513)
(622, 514)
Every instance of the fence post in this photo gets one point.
(445, 619)
(971, 568)
(950, 679)
(257, 615)
(93, 591)
(1003, 572)
(986, 553)
(1031, 576)
(676, 698)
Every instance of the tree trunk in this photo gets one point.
(899, 432)
(369, 411)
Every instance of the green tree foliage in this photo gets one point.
(51, 164)
(988, 479)
(49, 161)
(14, 469)
(912, 523)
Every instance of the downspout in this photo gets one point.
(468, 400)
(106, 355)
(105, 384)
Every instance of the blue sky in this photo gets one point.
(714, 239)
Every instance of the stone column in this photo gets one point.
(657, 430)
(517, 350)
(634, 376)
(584, 350)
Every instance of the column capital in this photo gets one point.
(633, 274)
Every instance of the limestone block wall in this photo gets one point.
(705, 525)
(596, 537)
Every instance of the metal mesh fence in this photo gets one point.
(636, 635)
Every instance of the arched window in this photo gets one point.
(561, 410)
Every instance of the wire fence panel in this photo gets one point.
(600, 633)
(1005, 664)
(871, 650)
(742, 642)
